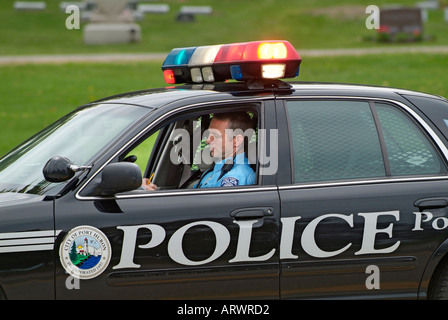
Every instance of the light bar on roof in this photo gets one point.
(239, 61)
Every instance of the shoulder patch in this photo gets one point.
(229, 182)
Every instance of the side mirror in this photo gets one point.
(60, 169)
(120, 177)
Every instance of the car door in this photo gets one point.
(27, 237)
(176, 243)
(367, 179)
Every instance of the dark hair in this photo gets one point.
(238, 120)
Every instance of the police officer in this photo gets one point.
(226, 141)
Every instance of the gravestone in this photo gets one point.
(110, 11)
(188, 13)
(29, 5)
(425, 6)
(111, 22)
(81, 5)
(402, 21)
(153, 8)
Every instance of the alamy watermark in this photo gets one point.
(373, 280)
(267, 159)
(72, 283)
(73, 20)
(373, 20)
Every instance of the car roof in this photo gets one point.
(156, 98)
(380, 90)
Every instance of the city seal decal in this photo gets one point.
(85, 252)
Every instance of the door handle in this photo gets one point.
(252, 213)
(431, 203)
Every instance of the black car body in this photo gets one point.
(351, 199)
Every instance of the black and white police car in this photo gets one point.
(350, 199)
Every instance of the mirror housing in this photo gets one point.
(60, 169)
(120, 177)
(57, 169)
(115, 177)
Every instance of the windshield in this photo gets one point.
(80, 136)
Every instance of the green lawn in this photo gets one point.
(420, 72)
(33, 96)
(306, 24)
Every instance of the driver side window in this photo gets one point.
(178, 154)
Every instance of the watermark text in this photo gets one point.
(73, 20)
(373, 20)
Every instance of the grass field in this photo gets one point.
(306, 24)
(33, 96)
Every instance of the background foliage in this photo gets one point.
(32, 96)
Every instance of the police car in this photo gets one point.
(350, 198)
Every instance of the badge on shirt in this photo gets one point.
(229, 182)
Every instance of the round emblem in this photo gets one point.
(85, 252)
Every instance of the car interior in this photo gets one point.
(176, 154)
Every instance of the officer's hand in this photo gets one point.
(150, 187)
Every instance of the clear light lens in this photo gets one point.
(273, 71)
(196, 75)
(207, 74)
(204, 55)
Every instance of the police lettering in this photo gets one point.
(222, 239)
(438, 223)
(176, 253)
